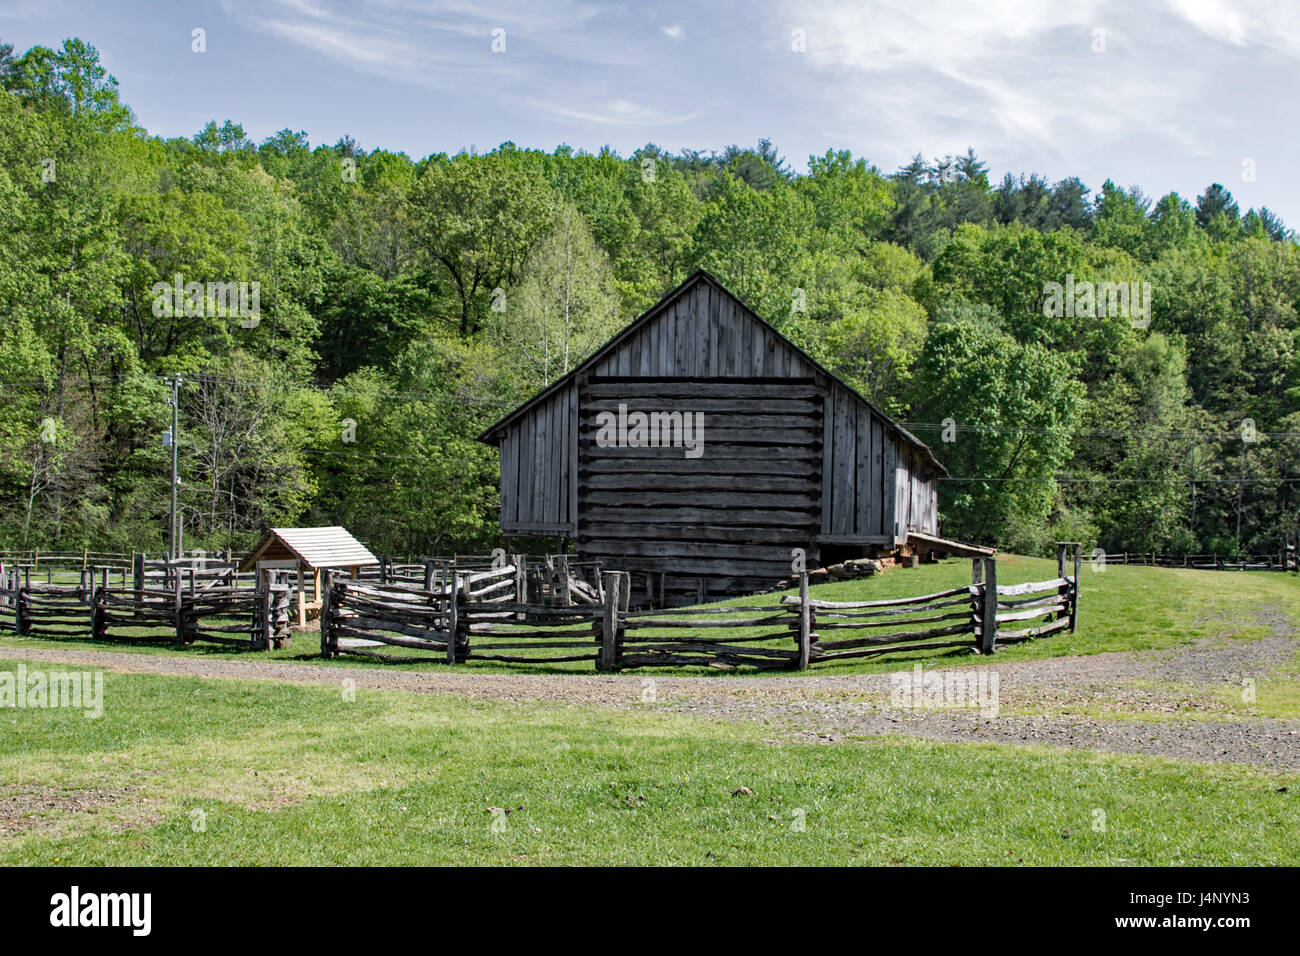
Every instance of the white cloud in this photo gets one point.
(1244, 23)
(617, 112)
(676, 31)
(1020, 74)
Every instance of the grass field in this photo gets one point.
(296, 775)
(201, 770)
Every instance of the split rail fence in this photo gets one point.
(1284, 560)
(486, 615)
(247, 617)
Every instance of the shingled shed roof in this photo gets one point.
(331, 547)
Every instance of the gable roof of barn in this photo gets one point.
(492, 435)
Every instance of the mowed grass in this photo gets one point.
(1120, 609)
(294, 774)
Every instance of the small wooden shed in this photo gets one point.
(309, 550)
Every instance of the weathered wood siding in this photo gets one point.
(788, 449)
(917, 494)
(538, 452)
(729, 517)
(860, 455)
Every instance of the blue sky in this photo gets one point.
(1167, 94)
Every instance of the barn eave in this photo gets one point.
(493, 434)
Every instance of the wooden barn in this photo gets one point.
(699, 446)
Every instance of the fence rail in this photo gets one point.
(1284, 560)
(254, 618)
(487, 616)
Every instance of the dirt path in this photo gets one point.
(1056, 701)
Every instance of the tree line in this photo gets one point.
(402, 305)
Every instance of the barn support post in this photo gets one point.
(805, 623)
(989, 610)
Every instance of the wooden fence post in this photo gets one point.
(176, 610)
(1074, 589)
(989, 617)
(614, 585)
(21, 622)
(521, 581)
(264, 608)
(805, 623)
(98, 625)
(138, 579)
(326, 625)
(624, 602)
(453, 616)
(1060, 572)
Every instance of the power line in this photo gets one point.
(475, 401)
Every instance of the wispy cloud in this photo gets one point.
(619, 112)
(1244, 23)
(566, 59)
(1048, 79)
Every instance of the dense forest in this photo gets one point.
(403, 305)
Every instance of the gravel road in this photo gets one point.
(1056, 701)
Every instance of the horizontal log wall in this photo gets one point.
(728, 518)
(871, 481)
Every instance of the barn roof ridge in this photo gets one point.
(700, 275)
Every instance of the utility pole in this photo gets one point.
(172, 438)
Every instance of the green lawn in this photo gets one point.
(1120, 608)
(293, 774)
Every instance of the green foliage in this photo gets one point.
(1013, 408)
(423, 298)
